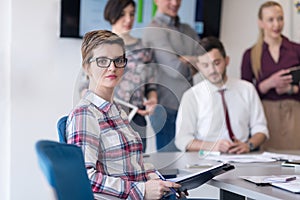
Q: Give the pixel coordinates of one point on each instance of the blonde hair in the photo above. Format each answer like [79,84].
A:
[256,50]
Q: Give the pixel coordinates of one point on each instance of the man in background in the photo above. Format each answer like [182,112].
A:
[220,113]
[175,47]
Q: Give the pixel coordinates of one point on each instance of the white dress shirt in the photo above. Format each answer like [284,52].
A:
[201,114]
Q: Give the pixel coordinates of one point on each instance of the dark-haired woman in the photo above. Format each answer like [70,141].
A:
[136,86]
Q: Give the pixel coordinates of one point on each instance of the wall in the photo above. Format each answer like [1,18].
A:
[43,70]
[5,38]
[37,74]
[239,28]
[295,16]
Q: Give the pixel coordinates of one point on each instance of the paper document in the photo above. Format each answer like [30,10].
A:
[292,186]
[264,180]
[254,158]
[132,107]
[281,157]
[244,158]
[287,182]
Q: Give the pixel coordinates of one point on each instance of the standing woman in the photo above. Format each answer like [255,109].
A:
[112,149]
[137,82]
[136,86]
[267,64]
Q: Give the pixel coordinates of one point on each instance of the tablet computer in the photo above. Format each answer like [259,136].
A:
[199,178]
[295,72]
[127,106]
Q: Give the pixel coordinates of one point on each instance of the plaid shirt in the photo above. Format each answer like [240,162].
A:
[112,149]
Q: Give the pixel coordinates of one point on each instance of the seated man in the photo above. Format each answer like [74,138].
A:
[220,113]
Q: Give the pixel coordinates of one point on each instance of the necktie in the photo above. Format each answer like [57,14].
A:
[231,135]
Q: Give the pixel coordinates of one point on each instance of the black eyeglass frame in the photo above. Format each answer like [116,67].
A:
[110,60]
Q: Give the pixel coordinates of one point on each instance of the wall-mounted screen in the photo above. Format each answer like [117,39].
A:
[81,16]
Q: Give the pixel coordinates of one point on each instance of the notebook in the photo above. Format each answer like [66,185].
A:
[199,178]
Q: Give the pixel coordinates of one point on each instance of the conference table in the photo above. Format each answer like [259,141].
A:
[231,186]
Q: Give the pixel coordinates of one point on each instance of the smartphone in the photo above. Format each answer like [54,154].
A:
[292,163]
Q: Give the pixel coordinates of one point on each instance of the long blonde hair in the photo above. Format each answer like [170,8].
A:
[256,50]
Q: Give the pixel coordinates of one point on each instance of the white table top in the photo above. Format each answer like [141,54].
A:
[230,181]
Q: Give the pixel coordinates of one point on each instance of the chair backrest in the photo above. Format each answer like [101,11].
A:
[61,129]
[63,166]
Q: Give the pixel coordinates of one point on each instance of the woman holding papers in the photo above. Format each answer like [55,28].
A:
[112,149]
[136,86]
[267,64]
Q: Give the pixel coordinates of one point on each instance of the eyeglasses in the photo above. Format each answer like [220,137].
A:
[105,62]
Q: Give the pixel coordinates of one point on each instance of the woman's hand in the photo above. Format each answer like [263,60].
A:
[290,89]
[283,90]
[277,80]
[155,189]
[150,106]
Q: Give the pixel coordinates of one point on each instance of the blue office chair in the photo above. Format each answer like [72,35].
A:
[63,166]
[61,129]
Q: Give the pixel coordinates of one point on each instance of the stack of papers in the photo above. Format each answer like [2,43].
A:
[252,158]
[280,157]
[265,180]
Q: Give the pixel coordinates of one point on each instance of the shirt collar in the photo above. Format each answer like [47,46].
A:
[284,44]
[172,21]
[99,102]
[214,88]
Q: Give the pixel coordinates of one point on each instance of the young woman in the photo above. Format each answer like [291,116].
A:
[267,64]
[112,149]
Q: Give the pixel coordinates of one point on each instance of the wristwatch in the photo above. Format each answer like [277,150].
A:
[251,146]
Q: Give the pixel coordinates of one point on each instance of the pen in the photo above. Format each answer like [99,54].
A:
[290,178]
[279,179]
[163,178]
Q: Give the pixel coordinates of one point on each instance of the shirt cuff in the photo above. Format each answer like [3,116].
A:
[141,187]
[152,176]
